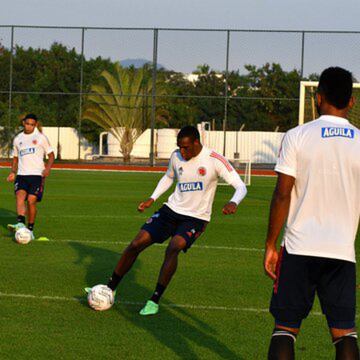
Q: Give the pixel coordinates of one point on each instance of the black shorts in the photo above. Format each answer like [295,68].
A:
[165,223]
[32,184]
[300,277]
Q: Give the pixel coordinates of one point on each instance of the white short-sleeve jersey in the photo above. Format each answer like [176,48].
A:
[324,158]
[31,149]
[197,180]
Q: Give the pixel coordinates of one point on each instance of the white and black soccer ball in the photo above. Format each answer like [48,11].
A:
[23,236]
[100,298]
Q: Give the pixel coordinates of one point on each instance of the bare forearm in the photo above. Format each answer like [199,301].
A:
[50,161]
[278,213]
[14,165]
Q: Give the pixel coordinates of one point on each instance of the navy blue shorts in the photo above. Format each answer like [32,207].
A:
[32,184]
[300,277]
[165,223]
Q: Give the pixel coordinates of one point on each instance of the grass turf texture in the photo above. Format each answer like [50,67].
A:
[89,217]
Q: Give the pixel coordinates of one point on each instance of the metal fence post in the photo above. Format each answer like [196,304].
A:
[153,96]
[302,54]
[81,89]
[226,89]
[10,85]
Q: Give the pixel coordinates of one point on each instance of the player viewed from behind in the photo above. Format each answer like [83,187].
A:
[318,191]
[186,213]
[28,171]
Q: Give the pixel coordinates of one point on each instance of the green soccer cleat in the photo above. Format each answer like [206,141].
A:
[15,227]
[150,308]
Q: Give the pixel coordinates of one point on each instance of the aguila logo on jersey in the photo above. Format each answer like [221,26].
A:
[181,170]
[191,186]
[34,141]
[327,132]
[202,171]
[27,151]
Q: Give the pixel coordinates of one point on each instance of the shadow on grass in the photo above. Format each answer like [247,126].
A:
[174,327]
[7,217]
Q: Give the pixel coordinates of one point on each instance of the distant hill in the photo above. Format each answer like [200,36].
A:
[137,63]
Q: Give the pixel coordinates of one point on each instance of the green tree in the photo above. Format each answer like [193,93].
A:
[120,104]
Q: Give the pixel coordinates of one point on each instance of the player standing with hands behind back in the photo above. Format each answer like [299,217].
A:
[28,171]
[318,191]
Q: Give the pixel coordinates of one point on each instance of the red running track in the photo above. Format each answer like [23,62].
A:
[108,167]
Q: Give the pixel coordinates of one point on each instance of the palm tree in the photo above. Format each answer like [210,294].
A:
[120,104]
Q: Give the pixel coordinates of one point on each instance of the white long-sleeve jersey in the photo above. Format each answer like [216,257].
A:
[197,180]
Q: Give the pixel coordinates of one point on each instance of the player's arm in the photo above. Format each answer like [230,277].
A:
[15,162]
[240,193]
[279,210]
[49,164]
[163,185]
[14,166]
[286,167]
[225,170]
[49,151]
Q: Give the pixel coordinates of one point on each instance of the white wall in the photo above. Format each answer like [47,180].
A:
[257,146]
[69,142]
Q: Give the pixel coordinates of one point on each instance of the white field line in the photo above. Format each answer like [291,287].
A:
[208,247]
[135,303]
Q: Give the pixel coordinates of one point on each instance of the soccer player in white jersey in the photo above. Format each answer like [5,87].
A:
[318,191]
[28,171]
[186,213]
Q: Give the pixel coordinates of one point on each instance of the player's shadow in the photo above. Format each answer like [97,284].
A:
[7,216]
[174,327]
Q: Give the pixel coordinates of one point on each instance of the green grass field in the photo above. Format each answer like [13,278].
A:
[215,307]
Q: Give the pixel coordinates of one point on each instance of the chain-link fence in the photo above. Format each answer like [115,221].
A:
[230,79]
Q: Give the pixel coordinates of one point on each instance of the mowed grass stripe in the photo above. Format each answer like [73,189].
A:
[209,247]
[138,303]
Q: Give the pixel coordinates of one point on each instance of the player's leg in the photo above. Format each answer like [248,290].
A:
[168,269]
[188,230]
[346,343]
[156,229]
[20,197]
[169,266]
[141,241]
[337,294]
[32,210]
[292,299]
[282,342]
[35,194]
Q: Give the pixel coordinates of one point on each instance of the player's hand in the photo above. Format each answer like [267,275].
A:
[229,208]
[270,260]
[11,177]
[46,172]
[145,204]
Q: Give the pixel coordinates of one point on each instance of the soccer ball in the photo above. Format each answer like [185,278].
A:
[100,298]
[23,236]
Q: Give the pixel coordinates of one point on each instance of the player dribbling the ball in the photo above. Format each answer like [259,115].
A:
[28,171]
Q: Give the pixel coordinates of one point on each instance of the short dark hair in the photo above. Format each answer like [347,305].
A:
[189,131]
[336,85]
[30,116]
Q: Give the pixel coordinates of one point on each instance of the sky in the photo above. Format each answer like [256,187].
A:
[183,51]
